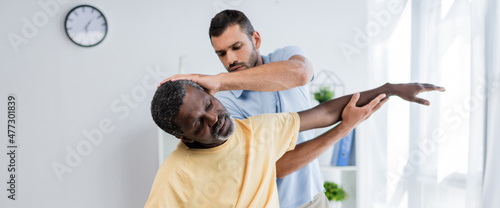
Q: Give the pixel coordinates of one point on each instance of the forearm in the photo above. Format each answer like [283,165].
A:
[307,151]
[332,106]
[274,76]
[330,112]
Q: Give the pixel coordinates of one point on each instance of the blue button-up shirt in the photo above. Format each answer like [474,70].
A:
[301,186]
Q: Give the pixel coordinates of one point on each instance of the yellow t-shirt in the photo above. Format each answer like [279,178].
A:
[239,173]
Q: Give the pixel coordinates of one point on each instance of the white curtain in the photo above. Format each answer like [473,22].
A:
[491,129]
[442,155]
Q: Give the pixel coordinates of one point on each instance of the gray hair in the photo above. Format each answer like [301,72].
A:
[166,103]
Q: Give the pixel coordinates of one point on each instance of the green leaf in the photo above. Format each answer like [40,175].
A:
[323,94]
[334,192]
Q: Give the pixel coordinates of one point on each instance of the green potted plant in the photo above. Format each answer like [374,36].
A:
[333,192]
[323,94]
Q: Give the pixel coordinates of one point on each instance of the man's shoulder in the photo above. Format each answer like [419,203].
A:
[225,94]
[177,156]
[290,48]
[271,118]
[285,53]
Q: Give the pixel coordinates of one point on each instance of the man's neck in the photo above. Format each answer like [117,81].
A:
[259,60]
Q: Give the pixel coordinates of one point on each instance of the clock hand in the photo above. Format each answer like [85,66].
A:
[87,26]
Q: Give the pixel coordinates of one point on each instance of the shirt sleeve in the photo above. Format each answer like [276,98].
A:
[278,131]
[286,53]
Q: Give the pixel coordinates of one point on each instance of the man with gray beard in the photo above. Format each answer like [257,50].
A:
[221,162]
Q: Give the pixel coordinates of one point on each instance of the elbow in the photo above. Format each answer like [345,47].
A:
[303,76]
[304,79]
[281,173]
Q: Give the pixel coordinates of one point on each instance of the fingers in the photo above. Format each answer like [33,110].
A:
[422,101]
[175,78]
[377,107]
[431,87]
[375,101]
[382,102]
[182,76]
[354,99]
[428,87]
[166,80]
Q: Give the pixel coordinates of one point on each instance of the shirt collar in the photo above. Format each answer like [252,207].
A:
[237,93]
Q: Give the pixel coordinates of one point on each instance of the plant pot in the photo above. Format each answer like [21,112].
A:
[335,204]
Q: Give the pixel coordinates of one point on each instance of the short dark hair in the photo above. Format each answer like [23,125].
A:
[166,103]
[228,18]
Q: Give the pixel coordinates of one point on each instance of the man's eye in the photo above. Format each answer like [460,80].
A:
[236,47]
[210,105]
[221,54]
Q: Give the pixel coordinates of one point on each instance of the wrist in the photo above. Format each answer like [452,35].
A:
[344,128]
[390,89]
[220,79]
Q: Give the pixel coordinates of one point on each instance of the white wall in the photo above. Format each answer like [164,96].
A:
[64,89]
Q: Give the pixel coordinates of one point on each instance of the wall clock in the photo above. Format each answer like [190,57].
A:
[86,26]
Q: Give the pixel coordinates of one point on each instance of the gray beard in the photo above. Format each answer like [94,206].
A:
[230,130]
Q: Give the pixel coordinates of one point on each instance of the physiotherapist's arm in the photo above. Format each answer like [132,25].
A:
[274,76]
[307,151]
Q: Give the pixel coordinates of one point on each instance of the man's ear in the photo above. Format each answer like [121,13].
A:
[185,139]
[256,39]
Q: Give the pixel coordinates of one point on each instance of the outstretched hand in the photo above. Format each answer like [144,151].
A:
[410,91]
[210,83]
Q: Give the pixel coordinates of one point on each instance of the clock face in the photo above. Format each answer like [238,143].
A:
[86,26]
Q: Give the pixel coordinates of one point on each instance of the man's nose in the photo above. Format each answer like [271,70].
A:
[231,58]
[211,118]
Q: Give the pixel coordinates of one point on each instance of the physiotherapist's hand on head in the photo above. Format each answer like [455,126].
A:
[210,83]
